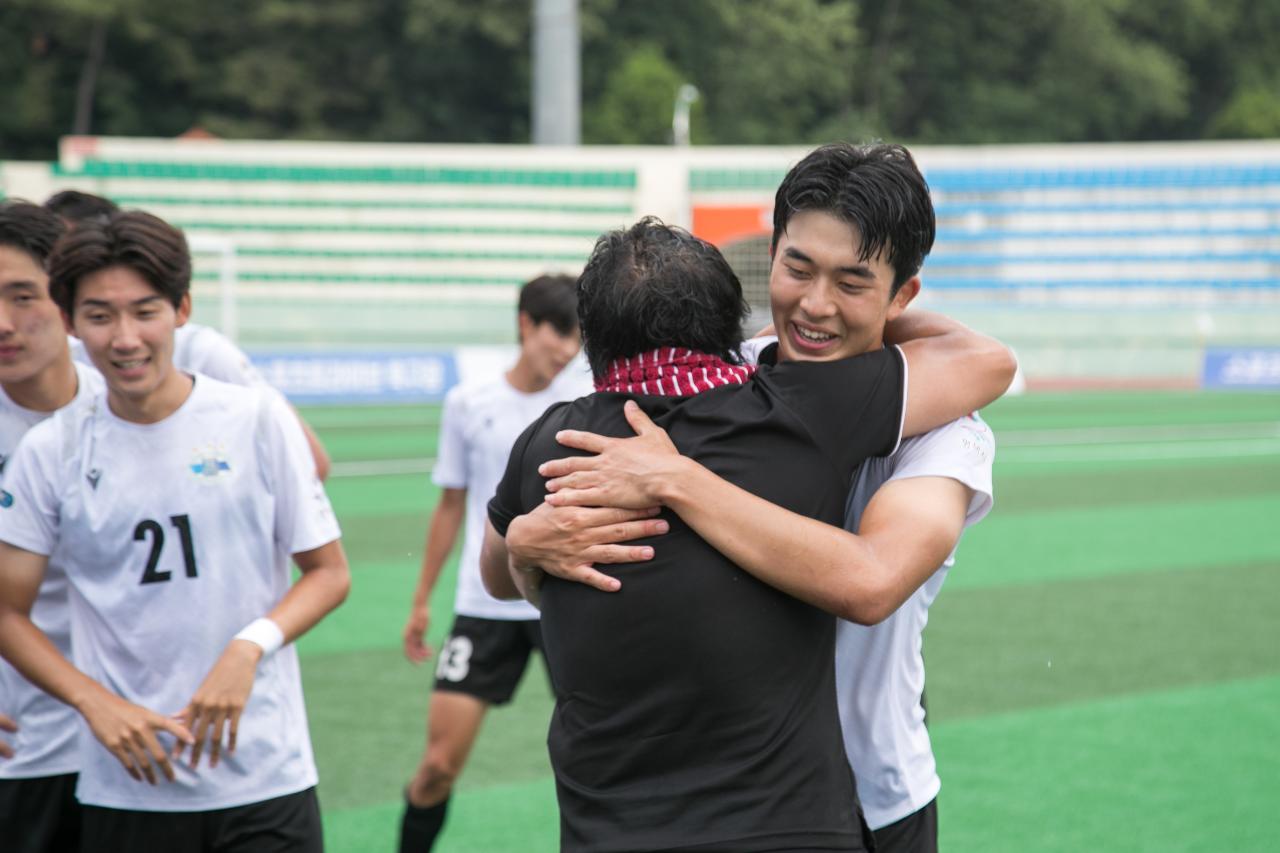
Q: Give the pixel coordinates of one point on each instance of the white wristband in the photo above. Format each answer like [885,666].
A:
[264,633]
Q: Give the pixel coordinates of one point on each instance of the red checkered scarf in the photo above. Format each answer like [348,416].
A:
[671,372]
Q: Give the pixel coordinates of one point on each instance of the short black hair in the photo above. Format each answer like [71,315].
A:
[31,229]
[876,188]
[653,285]
[146,244]
[551,299]
[76,206]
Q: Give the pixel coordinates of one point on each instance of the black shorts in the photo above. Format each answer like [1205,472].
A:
[288,824]
[486,658]
[39,815]
[915,833]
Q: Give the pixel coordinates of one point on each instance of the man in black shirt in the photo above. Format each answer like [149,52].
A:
[696,709]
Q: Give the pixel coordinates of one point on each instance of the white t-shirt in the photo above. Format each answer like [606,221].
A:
[199,349]
[174,536]
[480,422]
[45,744]
[879,669]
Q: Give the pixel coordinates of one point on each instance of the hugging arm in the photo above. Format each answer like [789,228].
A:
[952,370]
[909,527]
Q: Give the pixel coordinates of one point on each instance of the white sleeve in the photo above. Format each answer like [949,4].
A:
[78,352]
[752,347]
[212,353]
[304,517]
[450,470]
[29,505]
[963,450]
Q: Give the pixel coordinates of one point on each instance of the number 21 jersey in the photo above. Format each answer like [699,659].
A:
[174,536]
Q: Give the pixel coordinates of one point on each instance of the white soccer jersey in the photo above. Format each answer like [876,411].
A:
[879,669]
[481,421]
[174,536]
[45,744]
[200,349]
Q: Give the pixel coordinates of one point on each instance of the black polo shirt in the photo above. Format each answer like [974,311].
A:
[697,705]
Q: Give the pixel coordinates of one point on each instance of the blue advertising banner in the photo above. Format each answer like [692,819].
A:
[363,377]
[1241,368]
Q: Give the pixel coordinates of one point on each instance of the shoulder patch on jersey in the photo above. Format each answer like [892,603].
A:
[976,438]
[208,462]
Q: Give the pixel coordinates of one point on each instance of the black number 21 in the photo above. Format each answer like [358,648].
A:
[156,532]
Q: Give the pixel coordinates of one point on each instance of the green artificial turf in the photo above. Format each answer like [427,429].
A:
[1103,661]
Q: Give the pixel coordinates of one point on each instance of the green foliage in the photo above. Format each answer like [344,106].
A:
[1250,114]
[769,71]
[636,105]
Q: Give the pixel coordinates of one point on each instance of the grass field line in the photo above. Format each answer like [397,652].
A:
[382,467]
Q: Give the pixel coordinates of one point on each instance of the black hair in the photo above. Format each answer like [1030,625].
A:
[877,189]
[654,285]
[76,207]
[31,229]
[146,244]
[551,299]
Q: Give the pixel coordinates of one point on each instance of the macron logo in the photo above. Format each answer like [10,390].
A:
[93,477]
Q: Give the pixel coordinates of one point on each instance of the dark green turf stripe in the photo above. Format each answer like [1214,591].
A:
[385,443]
[1194,480]
[387,537]
[1039,547]
[1179,772]
[1002,649]
[1114,408]
[375,611]
[519,817]
[368,719]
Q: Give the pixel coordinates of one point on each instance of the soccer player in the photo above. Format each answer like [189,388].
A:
[196,348]
[910,508]
[174,503]
[38,809]
[485,654]
[697,710]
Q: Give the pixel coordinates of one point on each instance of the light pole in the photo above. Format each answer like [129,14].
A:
[685,98]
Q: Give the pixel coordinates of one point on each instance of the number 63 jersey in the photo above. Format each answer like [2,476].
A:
[174,536]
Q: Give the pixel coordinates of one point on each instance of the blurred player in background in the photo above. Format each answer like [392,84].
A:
[839,259]
[196,348]
[488,647]
[38,808]
[174,502]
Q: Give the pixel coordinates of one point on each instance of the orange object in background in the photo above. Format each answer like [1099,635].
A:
[724,224]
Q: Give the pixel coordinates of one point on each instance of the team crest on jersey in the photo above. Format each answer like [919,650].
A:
[209,463]
[6,499]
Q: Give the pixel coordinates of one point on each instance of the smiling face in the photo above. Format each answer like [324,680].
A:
[127,329]
[32,334]
[827,301]
[544,350]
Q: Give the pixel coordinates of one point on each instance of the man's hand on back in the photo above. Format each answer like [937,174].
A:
[628,473]
[567,542]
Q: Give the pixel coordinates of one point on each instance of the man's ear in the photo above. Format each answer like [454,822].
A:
[66,322]
[525,325]
[909,290]
[184,310]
